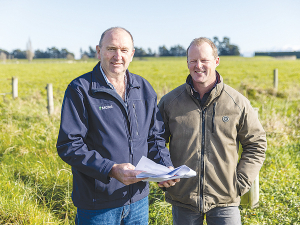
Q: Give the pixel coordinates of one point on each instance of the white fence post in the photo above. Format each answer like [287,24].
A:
[14,87]
[50,99]
[251,198]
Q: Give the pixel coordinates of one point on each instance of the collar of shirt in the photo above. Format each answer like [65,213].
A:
[205,96]
[112,86]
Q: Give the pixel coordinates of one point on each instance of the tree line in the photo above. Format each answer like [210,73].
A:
[49,53]
[224,48]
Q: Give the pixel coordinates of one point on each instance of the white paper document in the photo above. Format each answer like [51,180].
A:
[157,173]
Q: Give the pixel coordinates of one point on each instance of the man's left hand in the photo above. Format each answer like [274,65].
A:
[168,183]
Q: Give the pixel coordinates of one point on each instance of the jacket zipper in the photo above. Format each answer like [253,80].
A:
[130,187]
[137,124]
[213,117]
[131,161]
[130,140]
[202,161]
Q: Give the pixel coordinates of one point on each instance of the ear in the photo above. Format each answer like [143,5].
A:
[98,52]
[217,61]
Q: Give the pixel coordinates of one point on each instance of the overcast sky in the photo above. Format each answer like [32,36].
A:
[256,25]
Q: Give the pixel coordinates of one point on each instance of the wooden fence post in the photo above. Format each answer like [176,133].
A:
[275,81]
[50,99]
[251,198]
[14,87]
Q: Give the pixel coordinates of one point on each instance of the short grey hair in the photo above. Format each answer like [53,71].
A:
[114,28]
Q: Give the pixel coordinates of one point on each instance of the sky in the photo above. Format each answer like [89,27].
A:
[256,25]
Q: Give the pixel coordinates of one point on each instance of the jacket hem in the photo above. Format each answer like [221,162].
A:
[196,209]
[109,204]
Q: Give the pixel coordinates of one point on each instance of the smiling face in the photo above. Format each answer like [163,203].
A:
[116,52]
[202,64]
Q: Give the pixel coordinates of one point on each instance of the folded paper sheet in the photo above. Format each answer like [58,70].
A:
[157,173]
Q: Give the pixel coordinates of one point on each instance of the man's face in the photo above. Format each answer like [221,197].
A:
[202,64]
[116,52]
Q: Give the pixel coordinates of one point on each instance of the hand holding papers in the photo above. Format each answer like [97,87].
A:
[157,173]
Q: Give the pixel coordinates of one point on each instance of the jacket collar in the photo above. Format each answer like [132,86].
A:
[99,83]
[215,92]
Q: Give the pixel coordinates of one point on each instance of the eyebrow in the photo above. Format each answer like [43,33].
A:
[114,47]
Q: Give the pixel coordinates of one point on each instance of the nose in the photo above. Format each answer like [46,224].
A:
[118,54]
[199,64]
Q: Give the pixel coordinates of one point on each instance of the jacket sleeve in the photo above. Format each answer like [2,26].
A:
[161,106]
[253,140]
[71,145]
[158,151]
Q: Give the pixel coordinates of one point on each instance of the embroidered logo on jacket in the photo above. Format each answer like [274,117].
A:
[225,119]
[105,107]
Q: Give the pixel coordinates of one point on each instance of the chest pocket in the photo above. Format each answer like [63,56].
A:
[140,118]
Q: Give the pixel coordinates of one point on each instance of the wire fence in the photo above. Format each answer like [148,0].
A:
[14,93]
[14,89]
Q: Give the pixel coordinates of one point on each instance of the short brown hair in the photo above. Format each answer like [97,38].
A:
[199,41]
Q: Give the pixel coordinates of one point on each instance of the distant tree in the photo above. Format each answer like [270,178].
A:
[53,53]
[29,51]
[92,53]
[63,53]
[225,48]
[216,41]
[150,53]
[234,50]
[163,51]
[139,52]
[177,50]
[41,54]
[81,52]
[18,54]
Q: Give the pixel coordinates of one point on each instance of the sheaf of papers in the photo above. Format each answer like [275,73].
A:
[157,173]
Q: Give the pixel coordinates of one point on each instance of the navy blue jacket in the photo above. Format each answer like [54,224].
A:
[97,130]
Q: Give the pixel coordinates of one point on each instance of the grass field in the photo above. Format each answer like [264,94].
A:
[35,184]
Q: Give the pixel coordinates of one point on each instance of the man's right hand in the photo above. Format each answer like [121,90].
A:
[125,173]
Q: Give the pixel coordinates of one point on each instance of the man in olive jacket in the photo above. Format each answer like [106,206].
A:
[205,121]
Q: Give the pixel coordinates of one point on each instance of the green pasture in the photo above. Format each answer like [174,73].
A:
[35,184]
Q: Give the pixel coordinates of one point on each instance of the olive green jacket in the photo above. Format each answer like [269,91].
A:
[206,139]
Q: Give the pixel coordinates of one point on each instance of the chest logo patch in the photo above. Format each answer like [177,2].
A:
[225,119]
[105,107]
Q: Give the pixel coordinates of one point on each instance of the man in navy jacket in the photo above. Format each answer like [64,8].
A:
[109,120]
